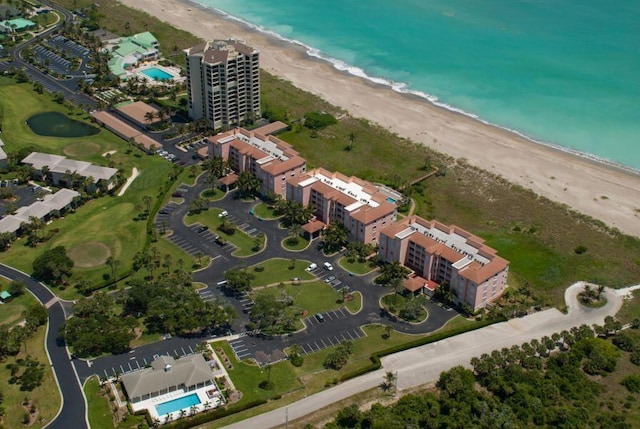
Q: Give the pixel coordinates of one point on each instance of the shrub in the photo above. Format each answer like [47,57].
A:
[318,120]
[580,249]
[624,342]
[632,383]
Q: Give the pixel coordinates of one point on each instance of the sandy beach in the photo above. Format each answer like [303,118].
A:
[595,189]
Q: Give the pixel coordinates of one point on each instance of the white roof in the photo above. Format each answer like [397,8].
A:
[39,159]
[10,223]
[60,164]
[352,189]
[98,172]
[61,199]
[37,209]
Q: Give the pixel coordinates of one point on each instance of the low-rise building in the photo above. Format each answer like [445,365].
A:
[61,170]
[126,131]
[129,51]
[438,253]
[272,160]
[359,205]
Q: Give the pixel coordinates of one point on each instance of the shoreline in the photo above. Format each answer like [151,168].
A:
[598,188]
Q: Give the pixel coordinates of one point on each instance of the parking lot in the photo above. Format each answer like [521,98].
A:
[68,46]
[207,235]
[313,346]
[52,60]
[136,362]
[25,195]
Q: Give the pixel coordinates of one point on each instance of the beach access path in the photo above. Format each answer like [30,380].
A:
[595,189]
[423,365]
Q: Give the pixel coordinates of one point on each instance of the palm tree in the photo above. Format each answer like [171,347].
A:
[146,199]
[248,184]
[149,117]
[113,264]
[352,139]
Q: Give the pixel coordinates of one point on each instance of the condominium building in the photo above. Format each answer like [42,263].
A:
[223,82]
[270,159]
[362,207]
[438,253]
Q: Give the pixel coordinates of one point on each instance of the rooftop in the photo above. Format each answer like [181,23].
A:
[137,111]
[62,165]
[167,372]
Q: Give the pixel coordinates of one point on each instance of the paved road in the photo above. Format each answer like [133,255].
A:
[73,408]
[424,364]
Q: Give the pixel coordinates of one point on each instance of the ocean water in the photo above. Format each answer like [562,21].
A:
[562,72]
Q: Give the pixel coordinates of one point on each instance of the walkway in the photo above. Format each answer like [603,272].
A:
[134,174]
[424,364]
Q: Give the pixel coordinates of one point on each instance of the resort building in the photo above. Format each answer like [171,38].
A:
[125,131]
[16,25]
[438,253]
[61,170]
[171,385]
[52,205]
[127,52]
[362,207]
[272,160]
[140,113]
[223,83]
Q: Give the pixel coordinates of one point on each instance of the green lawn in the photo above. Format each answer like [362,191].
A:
[395,303]
[630,309]
[265,211]
[46,397]
[100,416]
[215,195]
[11,312]
[247,377]
[354,305]
[211,219]
[315,297]
[109,220]
[280,270]
[357,268]
[295,245]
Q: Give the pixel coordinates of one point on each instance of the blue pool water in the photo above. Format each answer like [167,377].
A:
[177,404]
[157,74]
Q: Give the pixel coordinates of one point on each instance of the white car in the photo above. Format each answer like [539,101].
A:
[328,266]
[224,213]
[312,267]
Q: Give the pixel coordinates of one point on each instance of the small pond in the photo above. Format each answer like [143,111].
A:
[55,124]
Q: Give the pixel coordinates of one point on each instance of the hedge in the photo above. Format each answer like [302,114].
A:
[201,418]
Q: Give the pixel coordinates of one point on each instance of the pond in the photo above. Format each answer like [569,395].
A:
[55,124]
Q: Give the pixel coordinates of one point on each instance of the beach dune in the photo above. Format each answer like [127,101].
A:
[602,191]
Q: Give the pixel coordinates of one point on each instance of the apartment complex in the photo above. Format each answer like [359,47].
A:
[438,253]
[223,82]
[270,159]
[362,207]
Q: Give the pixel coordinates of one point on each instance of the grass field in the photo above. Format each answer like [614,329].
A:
[264,211]
[300,244]
[315,297]
[109,220]
[46,397]
[279,270]
[100,416]
[354,305]
[358,268]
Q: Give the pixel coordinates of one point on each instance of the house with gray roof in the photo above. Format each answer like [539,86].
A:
[167,374]
[61,201]
[60,168]
[11,224]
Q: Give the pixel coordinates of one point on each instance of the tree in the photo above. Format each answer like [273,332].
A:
[53,266]
[113,264]
[146,199]
[391,272]
[238,280]
[352,139]
[248,184]
[16,288]
[334,237]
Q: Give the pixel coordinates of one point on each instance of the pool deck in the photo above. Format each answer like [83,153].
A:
[150,404]
[173,71]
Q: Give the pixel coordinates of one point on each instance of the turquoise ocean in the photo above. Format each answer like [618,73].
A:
[562,72]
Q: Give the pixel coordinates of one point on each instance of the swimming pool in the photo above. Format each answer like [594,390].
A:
[156,73]
[177,404]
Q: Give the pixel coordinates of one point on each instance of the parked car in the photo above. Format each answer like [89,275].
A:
[319,317]
[329,279]
[203,228]
[224,213]
[328,266]
[312,267]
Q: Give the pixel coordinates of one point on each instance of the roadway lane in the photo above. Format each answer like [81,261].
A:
[73,411]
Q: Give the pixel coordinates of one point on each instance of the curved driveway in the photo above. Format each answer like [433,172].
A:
[72,413]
